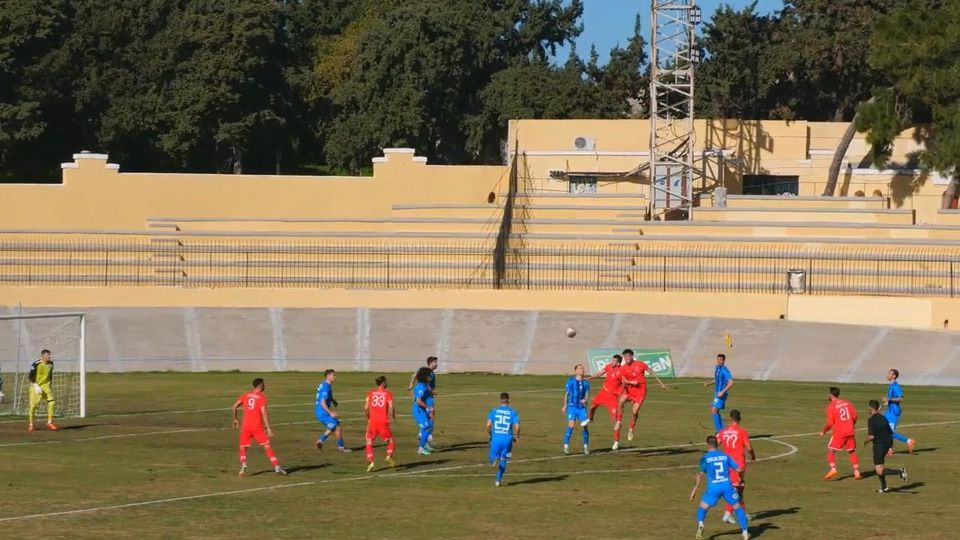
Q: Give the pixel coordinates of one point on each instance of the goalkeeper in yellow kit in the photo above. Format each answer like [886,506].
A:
[41,382]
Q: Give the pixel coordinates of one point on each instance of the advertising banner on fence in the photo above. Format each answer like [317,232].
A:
[658,359]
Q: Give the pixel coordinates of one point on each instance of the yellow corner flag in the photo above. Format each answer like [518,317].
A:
[728,340]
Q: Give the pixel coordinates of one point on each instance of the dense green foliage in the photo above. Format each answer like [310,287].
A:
[301,85]
[917,47]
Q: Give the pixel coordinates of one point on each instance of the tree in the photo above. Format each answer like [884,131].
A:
[30,32]
[916,47]
[733,81]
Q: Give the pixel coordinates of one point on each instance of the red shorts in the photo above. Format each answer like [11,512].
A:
[637,394]
[842,442]
[608,400]
[379,429]
[737,478]
[255,433]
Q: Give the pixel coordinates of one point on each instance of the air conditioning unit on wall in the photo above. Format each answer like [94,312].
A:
[585,143]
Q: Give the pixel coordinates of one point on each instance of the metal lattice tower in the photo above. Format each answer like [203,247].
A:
[671,104]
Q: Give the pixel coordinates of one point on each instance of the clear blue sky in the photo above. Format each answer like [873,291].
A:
[609,22]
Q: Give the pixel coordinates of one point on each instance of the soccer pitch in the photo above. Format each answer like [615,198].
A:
[157,458]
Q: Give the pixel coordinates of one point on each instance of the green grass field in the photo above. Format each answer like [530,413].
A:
[157,458]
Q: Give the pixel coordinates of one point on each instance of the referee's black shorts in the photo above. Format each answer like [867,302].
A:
[880,453]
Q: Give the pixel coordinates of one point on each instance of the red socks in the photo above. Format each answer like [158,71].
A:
[243,455]
[271,455]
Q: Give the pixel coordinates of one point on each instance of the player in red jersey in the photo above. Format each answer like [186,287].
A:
[735,442]
[842,418]
[379,409]
[634,376]
[609,396]
[256,425]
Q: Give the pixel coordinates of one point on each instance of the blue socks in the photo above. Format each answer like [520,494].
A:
[717,421]
[339,443]
[423,437]
[701,514]
[741,517]
[899,437]
[323,436]
[567,435]
[501,468]
[586,436]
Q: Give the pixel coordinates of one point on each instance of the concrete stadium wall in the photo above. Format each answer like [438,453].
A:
[511,342]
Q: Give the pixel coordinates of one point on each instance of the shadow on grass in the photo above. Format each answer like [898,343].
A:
[668,451]
[418,464]
[907,488]
[540,480]
[305,468]
[923,450]
[767,514]
[459,447]
[756,531]
[76,426]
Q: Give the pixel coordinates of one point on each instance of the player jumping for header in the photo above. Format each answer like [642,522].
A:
[503,428]
[256,425]
[41,389]
[894,404]
[609,397]
[323,410]
[722,382]
[634,375]
[842,418]
[379,409]
[575,407]
[715,466]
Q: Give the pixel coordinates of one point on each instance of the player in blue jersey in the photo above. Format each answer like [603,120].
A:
[722,381]
[575,407]
[893,403]
[423,410]
[323,409]
[503,427]
[432,364]
[715,466]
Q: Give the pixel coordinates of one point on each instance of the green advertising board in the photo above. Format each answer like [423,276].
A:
[658,359]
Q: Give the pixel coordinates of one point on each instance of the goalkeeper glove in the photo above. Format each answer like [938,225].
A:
[37,389]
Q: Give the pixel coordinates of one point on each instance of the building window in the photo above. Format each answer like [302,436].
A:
[583,184]
[770,184]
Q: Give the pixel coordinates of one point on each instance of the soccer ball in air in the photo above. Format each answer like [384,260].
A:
[571,332]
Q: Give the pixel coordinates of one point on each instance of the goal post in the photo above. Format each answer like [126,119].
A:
[22,338]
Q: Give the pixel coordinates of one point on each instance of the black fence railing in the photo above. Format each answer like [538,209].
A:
[183,260]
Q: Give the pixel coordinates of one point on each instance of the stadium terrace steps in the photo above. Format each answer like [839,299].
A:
[554,211]
[808,229]
[798,215]
[795,202]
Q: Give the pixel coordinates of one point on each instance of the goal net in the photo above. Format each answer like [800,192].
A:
[22,338]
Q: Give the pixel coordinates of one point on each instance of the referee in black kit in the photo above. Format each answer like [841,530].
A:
[878,431]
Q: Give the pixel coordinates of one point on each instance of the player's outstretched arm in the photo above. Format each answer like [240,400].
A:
[696,486]
[654,373]
[235,407]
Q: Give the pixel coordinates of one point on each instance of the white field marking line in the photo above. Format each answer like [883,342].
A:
[307,404]
[791,450]
[152,433]
[286,405]
[339,480]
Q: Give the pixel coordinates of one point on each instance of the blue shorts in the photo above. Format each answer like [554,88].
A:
[578,414]
[892,419]
[500,448]
[330,422]
[422,418]
[719,403]
[713,495]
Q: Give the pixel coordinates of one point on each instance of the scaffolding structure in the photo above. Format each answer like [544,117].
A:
[673,57]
